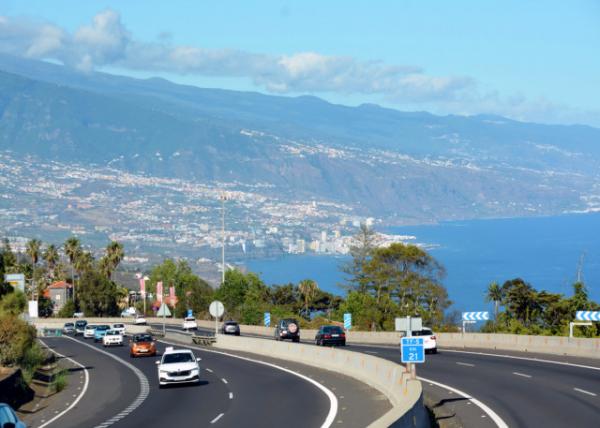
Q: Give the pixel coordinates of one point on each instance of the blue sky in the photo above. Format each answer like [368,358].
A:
[535,61]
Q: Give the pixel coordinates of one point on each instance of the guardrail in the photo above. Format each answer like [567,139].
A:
[555,345]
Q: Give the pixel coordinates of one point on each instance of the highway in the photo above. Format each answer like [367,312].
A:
[523,391]
[233,392]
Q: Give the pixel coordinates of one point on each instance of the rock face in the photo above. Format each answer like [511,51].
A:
[404,166]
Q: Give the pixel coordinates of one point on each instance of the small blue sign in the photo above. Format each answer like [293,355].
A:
[189,313]
[347,321]
[475,316]
[267,319]
[588,315]
[413,350]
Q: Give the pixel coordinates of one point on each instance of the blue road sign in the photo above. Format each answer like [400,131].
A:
[412,350]
[475,316]
[267,319]
[347,321]
[588,315]
[189,313]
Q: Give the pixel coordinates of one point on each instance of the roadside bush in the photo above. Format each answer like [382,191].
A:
[67,310]
[13,303]
[33,357]
[16,337]
[60,381]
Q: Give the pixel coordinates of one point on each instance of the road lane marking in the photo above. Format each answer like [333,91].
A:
[583,391]
[333,403]
[371,352]
[217,418]
[208,370]
[521,374]
[493,415]
[514,357]
[144,384]
[85,386]
[231,395]
[465,364]
[224,380]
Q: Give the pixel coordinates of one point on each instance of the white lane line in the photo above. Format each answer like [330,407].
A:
[521,374]
[217,418]
[85,386]
[371,352]
[144,384]
[465,364]
[231,395]
[224,380]
[493,415]
[333,403]
[514,357]
[208,370]
[583,391]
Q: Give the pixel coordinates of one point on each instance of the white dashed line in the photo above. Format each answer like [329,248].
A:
[224,380]
[583,391]
[231,395]
[208,370]
[465,364]
[521,374]
[217,418]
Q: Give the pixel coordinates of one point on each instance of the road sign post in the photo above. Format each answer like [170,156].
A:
[347,321]
[408,325]
[472,318]
[586,317]
[267,319]
[412,351]
[217,310]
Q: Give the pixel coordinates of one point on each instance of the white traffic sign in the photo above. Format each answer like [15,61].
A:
[163,311]
[216,309]
[401,324]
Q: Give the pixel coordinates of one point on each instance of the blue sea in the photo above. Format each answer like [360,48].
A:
[544,251]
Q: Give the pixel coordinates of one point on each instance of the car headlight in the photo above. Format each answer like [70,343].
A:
[196,370]
[163,372]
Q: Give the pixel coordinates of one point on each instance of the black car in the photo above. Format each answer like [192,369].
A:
[287,329]
[330,335]
[80,326]
[230,327]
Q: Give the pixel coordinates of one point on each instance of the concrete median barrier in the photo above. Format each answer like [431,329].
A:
[391,379]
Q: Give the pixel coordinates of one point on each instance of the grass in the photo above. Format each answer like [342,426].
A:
[60,381]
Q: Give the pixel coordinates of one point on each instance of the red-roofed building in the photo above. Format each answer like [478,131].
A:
[59,292]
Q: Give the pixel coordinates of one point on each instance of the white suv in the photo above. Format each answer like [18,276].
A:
[189,323]
[178,366]
[429,339]
[89,332]
[112,337]
[119,327]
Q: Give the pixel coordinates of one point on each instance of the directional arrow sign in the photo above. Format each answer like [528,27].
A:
[588,315]
[475,316]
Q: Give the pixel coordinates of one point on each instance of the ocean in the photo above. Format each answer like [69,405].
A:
[545,251]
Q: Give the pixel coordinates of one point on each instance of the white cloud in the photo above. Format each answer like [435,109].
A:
[106,42]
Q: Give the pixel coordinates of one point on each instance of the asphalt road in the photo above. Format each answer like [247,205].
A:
[523,391]
[233,392]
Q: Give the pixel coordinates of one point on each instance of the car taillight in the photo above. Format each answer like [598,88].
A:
[342,334]
[432,337]
[327,336]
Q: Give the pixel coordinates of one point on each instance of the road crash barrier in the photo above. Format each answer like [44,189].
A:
[203,340]
[405,395]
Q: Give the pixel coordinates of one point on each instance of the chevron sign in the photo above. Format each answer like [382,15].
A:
[588,316]
[475,316]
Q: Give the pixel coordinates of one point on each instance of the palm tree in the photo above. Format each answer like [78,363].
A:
[308,288]
[83,262]
[494,294]
[72,249]
[114,255]
[51,258]
[33,251]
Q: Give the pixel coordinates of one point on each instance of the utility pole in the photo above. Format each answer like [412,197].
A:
[223,198]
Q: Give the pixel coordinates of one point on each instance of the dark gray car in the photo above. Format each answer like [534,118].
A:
[287,328]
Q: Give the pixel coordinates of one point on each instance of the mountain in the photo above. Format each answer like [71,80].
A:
[403,167]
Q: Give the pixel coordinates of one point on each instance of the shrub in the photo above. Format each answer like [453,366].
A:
[67,310]
[13,303]
[60,381]
[16,337]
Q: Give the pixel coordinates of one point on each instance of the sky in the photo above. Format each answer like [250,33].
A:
[528,60]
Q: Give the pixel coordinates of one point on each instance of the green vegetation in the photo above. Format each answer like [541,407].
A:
[528,311]
[59,380]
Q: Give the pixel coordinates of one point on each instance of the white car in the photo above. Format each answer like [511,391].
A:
[89,332]
[112,337]
[178,366]
[139,320]
[119,327]
[189,323]
[429,339]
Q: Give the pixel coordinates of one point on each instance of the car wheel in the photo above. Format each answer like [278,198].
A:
[296,339]
[237,334]
[434,351]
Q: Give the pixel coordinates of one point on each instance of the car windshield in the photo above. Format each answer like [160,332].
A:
[231,323]
[142,338]
[332,329]
[288,322]
[91,327]
[178,357]
[424,332]
[80,323]
[190,319]
[68,324]
[102,327]
[112,333]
